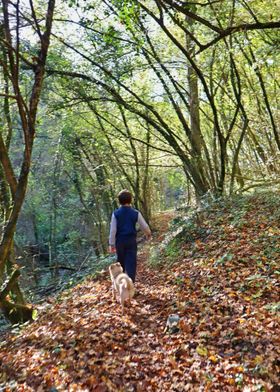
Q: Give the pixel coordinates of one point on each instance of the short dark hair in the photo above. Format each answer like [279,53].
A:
[125,197]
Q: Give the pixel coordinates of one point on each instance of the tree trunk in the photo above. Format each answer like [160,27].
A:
[27,111]
[14,312]
[146,191]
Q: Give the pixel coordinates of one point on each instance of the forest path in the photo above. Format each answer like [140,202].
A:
[82,342]
[228,337]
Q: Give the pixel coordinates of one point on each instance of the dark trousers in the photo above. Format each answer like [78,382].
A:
[126,255]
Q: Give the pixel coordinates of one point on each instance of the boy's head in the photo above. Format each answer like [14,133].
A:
[125,197]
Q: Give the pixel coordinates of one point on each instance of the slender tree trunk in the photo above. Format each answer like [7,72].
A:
[235,165]
[261,152]
[146,182]
[54,206]
[27,111]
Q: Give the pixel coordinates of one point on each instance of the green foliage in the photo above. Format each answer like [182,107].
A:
[222,260]
[129,11]
[155,258]
[73,3]
[273,307]
[34,314]
[182,230]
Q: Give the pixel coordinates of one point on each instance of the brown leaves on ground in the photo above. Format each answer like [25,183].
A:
[224,287]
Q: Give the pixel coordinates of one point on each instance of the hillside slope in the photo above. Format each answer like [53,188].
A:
[218,271]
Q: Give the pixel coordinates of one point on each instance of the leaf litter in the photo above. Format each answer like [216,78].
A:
[224,289]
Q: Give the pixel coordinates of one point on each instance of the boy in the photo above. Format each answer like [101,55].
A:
[122,237]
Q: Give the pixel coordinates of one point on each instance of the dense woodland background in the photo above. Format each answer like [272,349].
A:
[177,101]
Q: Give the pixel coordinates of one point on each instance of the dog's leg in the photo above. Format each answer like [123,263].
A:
[113,292]
[122,298]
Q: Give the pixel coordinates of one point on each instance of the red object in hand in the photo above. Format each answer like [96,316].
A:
[112,249]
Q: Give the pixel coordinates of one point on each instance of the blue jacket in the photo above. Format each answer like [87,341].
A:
[123,225]
[127,218]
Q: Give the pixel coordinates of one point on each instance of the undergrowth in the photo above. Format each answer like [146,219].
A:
[235,213]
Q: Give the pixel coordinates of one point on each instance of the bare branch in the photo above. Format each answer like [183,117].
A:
[239,29]
[35,19]
[8,96]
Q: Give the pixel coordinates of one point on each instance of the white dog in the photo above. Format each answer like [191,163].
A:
[121,283]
